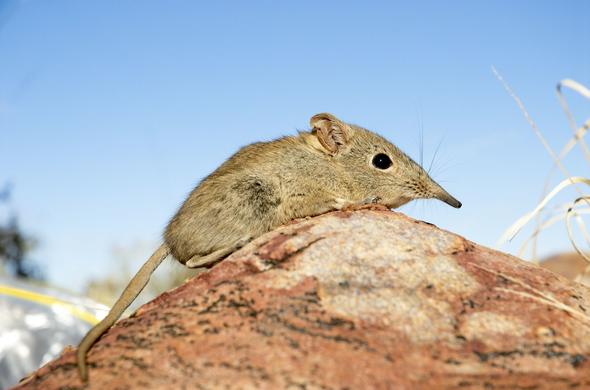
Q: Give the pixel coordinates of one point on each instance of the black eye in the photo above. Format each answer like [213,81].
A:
[382,161]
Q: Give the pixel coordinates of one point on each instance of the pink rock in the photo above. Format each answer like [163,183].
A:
[354,299]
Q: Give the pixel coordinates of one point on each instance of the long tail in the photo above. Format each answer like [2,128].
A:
[135,286]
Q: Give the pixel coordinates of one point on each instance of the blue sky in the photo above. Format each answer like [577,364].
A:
[111,111]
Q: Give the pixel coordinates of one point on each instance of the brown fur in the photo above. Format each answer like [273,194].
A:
[266,184]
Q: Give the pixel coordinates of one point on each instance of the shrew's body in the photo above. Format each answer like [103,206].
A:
[266,184]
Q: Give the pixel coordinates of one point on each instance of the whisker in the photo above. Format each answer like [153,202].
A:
[435,153]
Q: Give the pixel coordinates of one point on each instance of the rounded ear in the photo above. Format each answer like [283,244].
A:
[332,133]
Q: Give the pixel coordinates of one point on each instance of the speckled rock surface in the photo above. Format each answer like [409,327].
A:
[350,300]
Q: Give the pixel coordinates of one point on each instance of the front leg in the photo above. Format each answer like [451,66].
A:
[343,204]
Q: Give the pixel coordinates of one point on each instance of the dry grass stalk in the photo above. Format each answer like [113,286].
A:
[570,212]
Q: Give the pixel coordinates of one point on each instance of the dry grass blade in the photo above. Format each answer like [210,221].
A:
[531,122]
[519,224]
[575,86]
[582,226]
[546,224]
[571,213]
[536,295]
[583,91]
[554,303]
[578,138]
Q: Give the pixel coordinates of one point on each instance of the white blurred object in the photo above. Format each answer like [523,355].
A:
[36,323]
